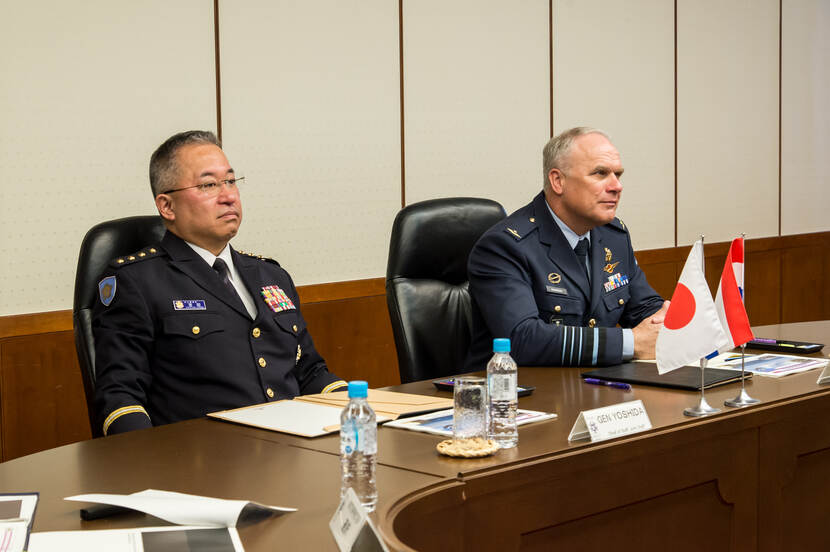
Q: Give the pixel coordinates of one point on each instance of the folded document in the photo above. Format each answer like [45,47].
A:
[315,415]
[185,509]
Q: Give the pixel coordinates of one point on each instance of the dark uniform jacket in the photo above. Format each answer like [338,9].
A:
[526,284]
[175,343]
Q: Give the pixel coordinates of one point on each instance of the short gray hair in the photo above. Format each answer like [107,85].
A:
[555,153]
[164,167]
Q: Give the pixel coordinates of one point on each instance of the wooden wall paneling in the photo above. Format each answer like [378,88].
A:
[762,286]
[714,266]
[803,284]
[825,254]
[38,323]
[355,337]
[662,277]
[43,404]
[2,387]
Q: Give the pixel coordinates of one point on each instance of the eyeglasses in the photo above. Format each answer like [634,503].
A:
[210,188]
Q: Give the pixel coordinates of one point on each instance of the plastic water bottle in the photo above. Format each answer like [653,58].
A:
[359,446]
[504,400]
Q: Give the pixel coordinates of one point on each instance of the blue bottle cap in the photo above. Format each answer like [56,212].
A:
[501,345]
[358,389]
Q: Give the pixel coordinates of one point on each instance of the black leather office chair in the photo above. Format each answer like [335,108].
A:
[102,244]
[426,282]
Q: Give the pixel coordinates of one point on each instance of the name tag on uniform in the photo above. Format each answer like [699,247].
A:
[189,304]
[557,290]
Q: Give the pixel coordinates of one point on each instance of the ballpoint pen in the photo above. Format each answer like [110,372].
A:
[615,384]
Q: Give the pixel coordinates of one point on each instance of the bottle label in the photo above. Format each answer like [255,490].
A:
[353,437]
[503,387]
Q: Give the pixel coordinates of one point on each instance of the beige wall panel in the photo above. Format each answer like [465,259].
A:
[613,68]
[311,117]
[476,98]
[805,116]
[727,119]
[87,91]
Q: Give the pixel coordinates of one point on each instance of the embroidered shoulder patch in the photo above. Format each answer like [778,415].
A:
[106,290]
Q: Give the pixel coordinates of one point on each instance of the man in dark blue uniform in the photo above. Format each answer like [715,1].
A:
[190,325]
[558,275]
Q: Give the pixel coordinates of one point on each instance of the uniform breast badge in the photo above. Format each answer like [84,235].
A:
[607,255]
[276,299]
[616,281]
[554,278]
[609,268]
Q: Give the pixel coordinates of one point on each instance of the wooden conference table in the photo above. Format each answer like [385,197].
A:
[746,479]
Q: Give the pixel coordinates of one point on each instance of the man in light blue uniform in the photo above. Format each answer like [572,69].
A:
[558,275]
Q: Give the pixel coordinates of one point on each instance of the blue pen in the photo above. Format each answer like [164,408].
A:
[615,384]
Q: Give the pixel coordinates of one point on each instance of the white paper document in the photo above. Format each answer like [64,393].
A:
[184,509]
[13,535]
[296,417]
[440,423]
[770,365]
[16,514]
[145,539]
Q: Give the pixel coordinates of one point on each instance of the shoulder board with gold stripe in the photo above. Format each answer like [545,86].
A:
[142,255]
[618,224]
[259,257]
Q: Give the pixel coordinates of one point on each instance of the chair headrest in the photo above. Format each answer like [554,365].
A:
[103,243]
[432,239]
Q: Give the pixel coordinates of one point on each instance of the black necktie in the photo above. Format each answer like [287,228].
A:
[222,269]
[581,251]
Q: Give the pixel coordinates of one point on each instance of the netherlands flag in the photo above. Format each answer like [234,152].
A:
[729,299]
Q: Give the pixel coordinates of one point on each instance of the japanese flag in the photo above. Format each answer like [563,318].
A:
[692,329]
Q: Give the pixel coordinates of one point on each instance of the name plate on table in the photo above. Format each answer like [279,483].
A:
[611,421]
[353,529]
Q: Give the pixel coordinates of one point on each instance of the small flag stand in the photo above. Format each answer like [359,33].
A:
[743,398]
[702,408]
